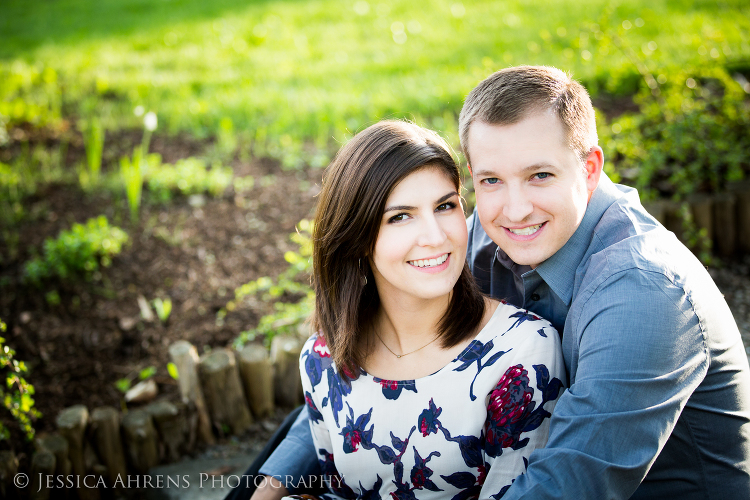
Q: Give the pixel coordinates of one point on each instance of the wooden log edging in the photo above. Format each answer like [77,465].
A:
[105,423]
[285,352]
[257,378]
[140,443]
[725,218]
[185,357]
[225,398]
[110,443]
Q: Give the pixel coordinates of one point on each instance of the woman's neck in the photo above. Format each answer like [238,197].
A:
[407,325]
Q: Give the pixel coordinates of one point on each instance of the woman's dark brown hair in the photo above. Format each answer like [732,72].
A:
[356,186]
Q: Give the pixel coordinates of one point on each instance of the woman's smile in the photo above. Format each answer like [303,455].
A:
[432,265]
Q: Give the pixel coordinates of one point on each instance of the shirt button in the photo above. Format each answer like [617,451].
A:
[535,296]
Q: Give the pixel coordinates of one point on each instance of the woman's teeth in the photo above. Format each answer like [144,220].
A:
[429,262]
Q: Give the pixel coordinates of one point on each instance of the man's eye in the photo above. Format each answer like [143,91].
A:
[543,175]
[491,180]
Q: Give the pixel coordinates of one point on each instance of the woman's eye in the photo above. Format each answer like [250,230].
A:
[398,218]
[445,206]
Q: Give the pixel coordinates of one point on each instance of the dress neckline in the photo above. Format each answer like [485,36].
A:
[479,337]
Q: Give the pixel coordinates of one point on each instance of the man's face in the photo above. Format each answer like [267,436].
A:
[531,188]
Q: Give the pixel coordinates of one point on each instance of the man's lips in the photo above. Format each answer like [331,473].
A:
[524,233]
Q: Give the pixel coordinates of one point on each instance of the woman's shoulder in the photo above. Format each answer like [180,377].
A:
[509,323]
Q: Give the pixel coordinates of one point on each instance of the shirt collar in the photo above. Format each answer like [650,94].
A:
[559,270]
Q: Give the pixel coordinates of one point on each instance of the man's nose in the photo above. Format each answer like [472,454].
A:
[517,206]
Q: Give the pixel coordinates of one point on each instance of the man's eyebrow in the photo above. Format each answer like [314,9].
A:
[407,207]
[530,168]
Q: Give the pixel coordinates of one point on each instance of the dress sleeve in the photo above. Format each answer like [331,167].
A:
[520,404]
[636,362]
[314,360]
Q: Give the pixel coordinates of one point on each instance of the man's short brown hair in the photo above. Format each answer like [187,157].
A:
[510,95]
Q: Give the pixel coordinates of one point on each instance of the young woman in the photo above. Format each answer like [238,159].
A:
[416,385]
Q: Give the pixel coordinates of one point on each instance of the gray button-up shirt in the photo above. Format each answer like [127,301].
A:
[659,398]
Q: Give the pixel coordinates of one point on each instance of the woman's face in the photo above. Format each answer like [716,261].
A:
[421,247]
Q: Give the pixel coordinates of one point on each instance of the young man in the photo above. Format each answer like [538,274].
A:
[659,397]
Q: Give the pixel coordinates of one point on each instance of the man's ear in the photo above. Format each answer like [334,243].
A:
[593,165]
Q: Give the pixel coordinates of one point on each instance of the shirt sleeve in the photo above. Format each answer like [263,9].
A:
[520,403]
[294,462]
[637,353]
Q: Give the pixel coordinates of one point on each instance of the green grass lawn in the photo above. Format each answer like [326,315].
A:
[292,72]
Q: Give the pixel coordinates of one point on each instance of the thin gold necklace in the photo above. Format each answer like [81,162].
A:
[406,354]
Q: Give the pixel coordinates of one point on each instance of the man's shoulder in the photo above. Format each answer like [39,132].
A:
[629,241]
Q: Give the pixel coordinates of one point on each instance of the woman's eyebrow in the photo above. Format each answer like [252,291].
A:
[407,207]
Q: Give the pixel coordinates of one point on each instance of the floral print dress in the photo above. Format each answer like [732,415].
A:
[464,432]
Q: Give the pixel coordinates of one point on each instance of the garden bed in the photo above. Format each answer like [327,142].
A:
[195,254]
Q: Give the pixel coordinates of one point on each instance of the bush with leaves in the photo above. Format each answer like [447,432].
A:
[287,316]
[16,392]
[187,176]
[79,251]
[690,135]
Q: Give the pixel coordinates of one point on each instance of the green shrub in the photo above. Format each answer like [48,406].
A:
[187,176]
[287,316]
[16,392]
[78,251]
[690,135]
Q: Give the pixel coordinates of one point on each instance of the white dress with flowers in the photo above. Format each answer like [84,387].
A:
[464,432]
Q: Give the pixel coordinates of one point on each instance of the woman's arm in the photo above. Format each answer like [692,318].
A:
[269,489]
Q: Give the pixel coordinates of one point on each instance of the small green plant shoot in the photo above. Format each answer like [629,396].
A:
[124,384]
[288,316]
[16,392]
[134,171]
[93,139]
[163,308]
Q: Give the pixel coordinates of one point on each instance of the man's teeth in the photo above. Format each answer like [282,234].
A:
[526,230]
[429,262]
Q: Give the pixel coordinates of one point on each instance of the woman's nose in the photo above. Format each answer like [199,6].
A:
[432,233]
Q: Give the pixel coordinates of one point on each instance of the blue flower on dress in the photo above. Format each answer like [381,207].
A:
[312,411]
[337,389]
[420,473]
[521,316]
[331,477]
[354,432]
[392,388]
[474,353]
[466,482]
[470,447]
[428,420]
[374,493]
[317,360]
